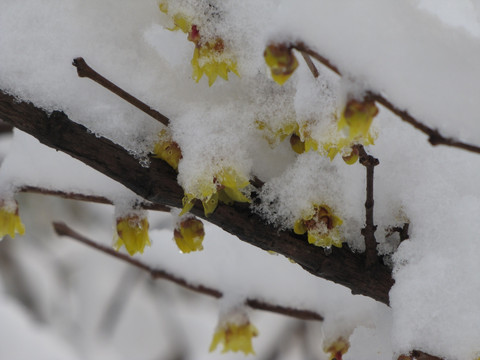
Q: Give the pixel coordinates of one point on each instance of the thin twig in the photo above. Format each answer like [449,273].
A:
[84,70]
[434,136]
[84,197]
[368,231]
[310,64]
[63,230]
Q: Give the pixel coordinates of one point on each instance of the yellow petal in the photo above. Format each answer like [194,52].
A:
[132,232]
[167,150]
[10,222]
[281,61]
[235,338]
[189,235]
[188,202]
[299,227]
[210,204]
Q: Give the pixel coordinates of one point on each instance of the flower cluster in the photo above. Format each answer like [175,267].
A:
[281,61]
[10,222]
[189,234]
[226,186]
[321,226]
[167,149]
[210,57]
[235,337]
[132,232]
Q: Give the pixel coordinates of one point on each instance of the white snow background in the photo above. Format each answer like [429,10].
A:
[422,55]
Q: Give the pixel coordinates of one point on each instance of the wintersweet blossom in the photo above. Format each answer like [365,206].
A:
[226,186]
[234,337]
[189,234]
[337,349]
[300,140]
[321,226]
[10,222]
[132,232]
[356,119]
[167,149]
[281,61]
[210,56]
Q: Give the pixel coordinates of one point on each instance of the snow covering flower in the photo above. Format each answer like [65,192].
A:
[234,337]
[189,234]
[210,57]
[10,222]
[353,128]
[337,349]
[167,149]
[321,225]
[300,139]
[281,61]
[132,232]
[226,186]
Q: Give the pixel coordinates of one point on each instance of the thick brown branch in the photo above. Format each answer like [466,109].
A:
[434,136]
[63,230]
[158,184]
[84,70]
[368,231]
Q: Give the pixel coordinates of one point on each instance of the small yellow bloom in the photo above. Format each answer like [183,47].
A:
[235,337]
[210,59]
[337,349]
[321,226]
[132,231]
[189,234]
[10,222]
[281,61]
[226,187]
[357,118]
[167,150]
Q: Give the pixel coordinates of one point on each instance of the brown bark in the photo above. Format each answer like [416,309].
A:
[157,184]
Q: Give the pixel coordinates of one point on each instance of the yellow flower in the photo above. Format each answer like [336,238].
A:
[10,222]
[357,118]
[337,349]
[321,226]
[189,234]
[132,232]
[226,187]
[235,337]
[281,61]
[209,57]
[167,150]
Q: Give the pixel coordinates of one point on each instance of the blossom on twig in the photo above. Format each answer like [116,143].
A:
[10,222]
[132,232]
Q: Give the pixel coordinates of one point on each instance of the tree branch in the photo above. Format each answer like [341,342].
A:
[84,197]
[158,184]
[63,230]
[369,230]
[434,136]
[84,70]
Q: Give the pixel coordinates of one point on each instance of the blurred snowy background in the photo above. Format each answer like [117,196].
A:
[62,300]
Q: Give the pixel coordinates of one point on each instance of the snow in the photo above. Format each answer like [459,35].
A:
[422,55]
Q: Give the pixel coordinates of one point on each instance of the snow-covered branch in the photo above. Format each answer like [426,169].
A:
[434,136]
[158,184]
